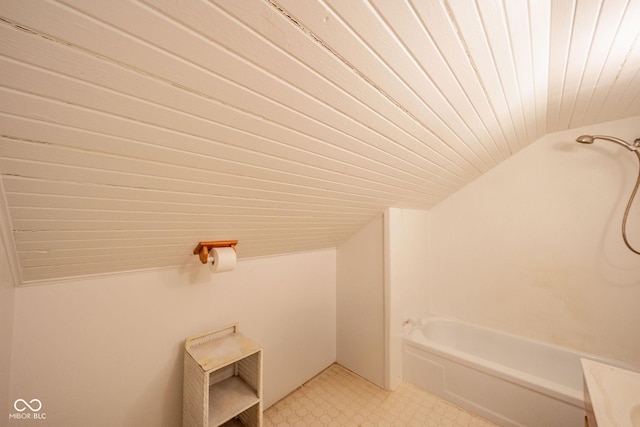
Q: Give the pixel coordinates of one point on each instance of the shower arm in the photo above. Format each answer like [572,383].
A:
[625,144]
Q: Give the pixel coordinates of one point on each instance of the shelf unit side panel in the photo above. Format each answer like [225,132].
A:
[249,369]
[196,392]
[252,416]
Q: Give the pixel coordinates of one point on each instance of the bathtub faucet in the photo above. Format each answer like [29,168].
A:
[411,323]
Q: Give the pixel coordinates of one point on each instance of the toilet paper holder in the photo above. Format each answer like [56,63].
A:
[203,248]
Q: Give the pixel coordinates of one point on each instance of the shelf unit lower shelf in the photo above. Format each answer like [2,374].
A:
[229,398]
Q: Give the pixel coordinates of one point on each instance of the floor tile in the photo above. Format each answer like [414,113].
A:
[338,397]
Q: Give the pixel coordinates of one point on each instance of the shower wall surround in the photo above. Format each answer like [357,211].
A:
[533,247]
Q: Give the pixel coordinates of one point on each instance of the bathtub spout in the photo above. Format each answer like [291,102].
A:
[409,324]
[412,322]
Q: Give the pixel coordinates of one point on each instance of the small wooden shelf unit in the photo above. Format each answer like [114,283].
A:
[222,380]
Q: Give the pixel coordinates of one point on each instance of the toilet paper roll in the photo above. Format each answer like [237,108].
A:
[223,259]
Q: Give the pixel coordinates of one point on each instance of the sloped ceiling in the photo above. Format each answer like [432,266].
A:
[131,130]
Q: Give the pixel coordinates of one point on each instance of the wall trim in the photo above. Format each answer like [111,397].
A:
[9,243]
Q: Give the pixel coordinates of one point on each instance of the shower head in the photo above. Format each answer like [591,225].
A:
[585,139]
[589,139]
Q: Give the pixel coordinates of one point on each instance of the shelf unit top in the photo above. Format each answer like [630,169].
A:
[222,351]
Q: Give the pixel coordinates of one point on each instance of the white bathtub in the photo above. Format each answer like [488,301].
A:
[509,380]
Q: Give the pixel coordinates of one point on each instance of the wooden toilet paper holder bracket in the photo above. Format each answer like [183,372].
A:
[204,248]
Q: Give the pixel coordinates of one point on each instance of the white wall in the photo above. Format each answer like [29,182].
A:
[6,335]
[533,247]
[108,351]
[360,303]
[406,275]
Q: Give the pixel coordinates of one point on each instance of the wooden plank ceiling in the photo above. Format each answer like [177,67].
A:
[131,130]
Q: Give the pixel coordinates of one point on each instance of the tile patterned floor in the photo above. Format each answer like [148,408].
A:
[338,397]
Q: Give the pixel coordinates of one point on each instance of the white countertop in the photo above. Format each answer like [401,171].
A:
[612,393]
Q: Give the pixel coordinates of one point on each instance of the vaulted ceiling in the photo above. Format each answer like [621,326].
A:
[131,130]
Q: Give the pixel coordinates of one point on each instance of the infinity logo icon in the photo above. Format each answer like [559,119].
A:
[37,405]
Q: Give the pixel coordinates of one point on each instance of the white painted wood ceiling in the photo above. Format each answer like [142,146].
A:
[131,130]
